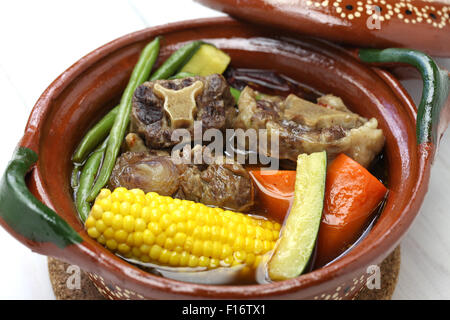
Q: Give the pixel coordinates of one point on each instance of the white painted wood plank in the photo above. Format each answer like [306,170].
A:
[170,11]
[40,39]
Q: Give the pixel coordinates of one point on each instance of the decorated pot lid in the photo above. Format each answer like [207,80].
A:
[415,24]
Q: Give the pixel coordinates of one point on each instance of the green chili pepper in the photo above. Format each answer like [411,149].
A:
[140,74]
[87,178]
[95,136]
[176,61]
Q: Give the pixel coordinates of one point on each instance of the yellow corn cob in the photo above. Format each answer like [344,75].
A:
[178,233]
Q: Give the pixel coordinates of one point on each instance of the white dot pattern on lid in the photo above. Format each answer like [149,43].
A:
[404,10]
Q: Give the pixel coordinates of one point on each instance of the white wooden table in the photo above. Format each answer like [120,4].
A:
[40,39]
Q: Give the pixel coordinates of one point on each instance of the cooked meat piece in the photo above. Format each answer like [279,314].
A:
[146,171]
[134,143]
[222,184]
[305,127]
[214,107]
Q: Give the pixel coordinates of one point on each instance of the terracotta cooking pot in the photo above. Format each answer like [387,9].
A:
[87,90]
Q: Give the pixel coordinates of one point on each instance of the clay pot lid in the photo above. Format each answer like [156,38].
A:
[421,24]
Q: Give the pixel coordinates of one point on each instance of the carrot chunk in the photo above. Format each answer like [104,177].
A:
[275,191]
[352,194]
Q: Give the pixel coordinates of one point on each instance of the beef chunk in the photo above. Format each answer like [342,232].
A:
[146,171]
[214,107]
[224,184]
[305,127]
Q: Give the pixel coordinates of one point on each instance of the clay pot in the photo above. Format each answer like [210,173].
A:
[88,89]
[367,23]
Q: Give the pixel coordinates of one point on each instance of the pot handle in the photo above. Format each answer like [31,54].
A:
[435,88]
[23,214]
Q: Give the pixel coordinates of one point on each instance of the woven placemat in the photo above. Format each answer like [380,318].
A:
[60,273]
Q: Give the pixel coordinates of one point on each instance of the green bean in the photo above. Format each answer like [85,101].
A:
[74,177]
[176,61]
[182,75]
[102,128]
[99,132]
[140,74]
[235,93]
[87,178]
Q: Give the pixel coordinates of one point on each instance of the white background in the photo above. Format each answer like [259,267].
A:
[40,39]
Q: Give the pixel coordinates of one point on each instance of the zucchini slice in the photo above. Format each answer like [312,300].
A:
[299,233]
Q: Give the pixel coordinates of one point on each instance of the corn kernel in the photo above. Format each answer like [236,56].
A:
[109,233]
[154,228]
[124,208]
[165,256]
[184,259]
[180,238]
[207,248]
[226,251]
[240,256]
[107,218]
[90,222]
[169,244]
[174,259]
[117,222]
[171,230]
[146,214]
[101,239]
[93,233]
[121,236]
[111,244]
[165,221]
[181,227]
[123,248]
[138,238]
[128,197]
[227,262]
[115,207]
[139,224]
[155,252]
[213,263]
[203,261]
[137,192]
[104,193]
[161,239]
[193,261]
[149,237]
[144,248]
[128,223]
[135,210]
[97,211]
[216,250]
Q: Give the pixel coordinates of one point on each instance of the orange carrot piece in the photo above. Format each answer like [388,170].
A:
[351,195]
[275,191]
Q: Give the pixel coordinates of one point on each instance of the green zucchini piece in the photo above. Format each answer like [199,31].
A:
[299,233]
[206,61]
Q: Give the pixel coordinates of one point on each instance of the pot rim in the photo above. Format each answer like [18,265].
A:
[353,261]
